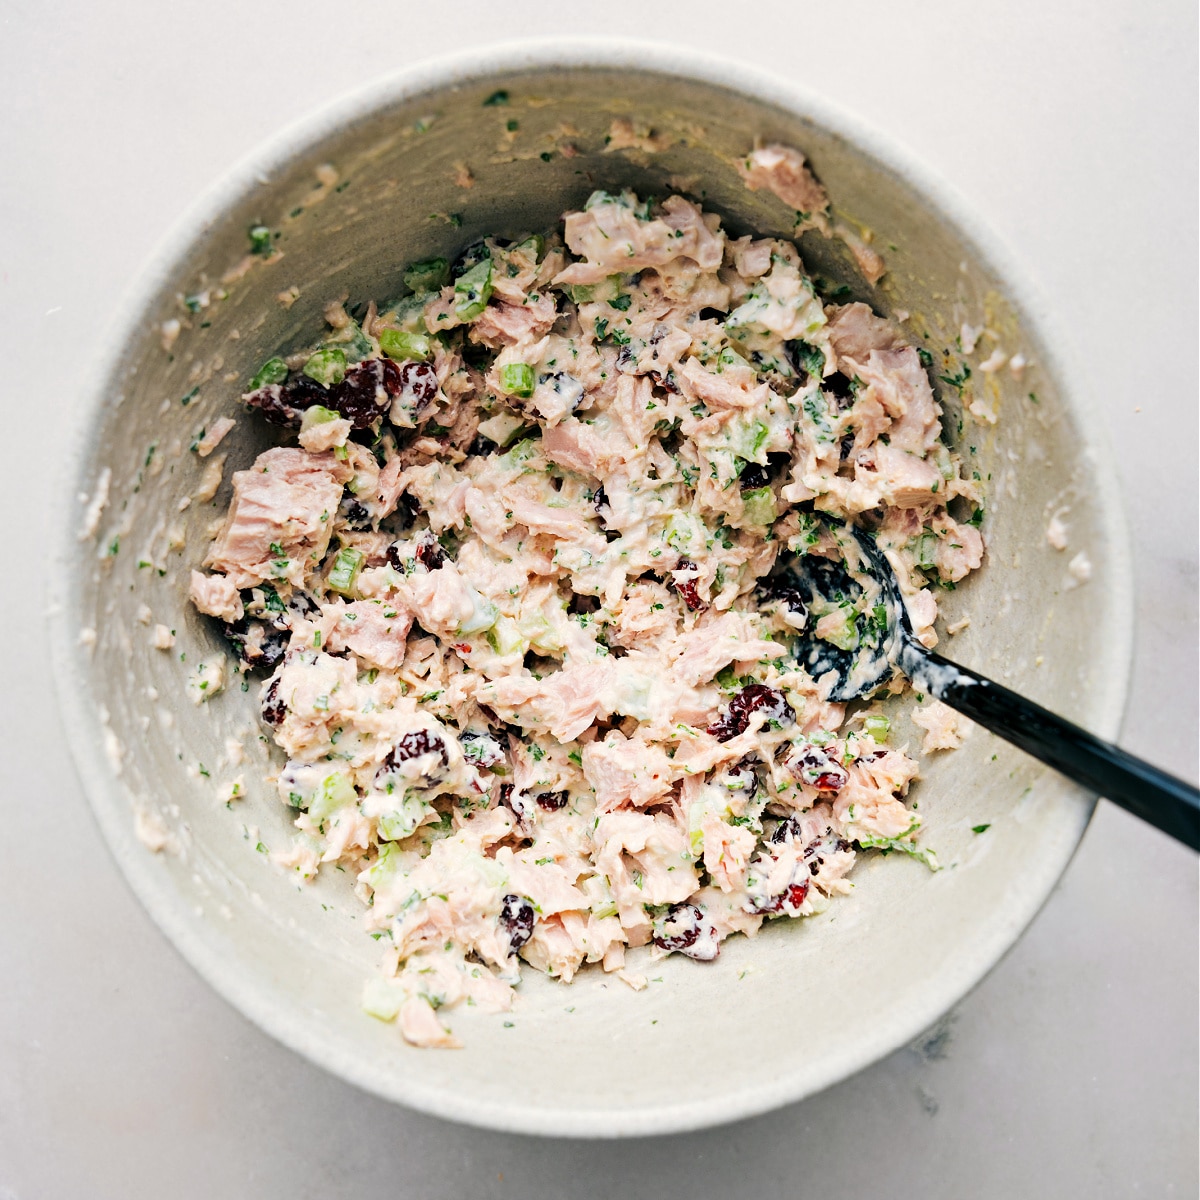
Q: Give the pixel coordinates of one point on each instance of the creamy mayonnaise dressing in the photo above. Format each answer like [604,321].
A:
[529,669]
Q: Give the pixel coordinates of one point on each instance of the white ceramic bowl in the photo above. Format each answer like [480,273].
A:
[776,1018]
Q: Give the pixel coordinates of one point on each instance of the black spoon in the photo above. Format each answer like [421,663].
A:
[877,639]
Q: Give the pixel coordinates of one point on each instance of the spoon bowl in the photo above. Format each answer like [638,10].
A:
[864,636]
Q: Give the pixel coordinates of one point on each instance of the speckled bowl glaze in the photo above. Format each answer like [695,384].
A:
[775,1018]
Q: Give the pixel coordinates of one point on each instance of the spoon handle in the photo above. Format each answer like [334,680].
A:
[1164,801]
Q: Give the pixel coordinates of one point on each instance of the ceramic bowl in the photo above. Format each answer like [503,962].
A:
[351,195]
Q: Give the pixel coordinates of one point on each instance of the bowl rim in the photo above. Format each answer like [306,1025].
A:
[175,917]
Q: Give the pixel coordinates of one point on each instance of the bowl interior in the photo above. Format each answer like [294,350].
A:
[351,200]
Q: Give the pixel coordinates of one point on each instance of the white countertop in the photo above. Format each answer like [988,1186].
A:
[1071,1071]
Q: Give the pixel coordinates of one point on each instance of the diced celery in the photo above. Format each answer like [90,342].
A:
[351,340]
[318,415]
[631,696]
[516,379]
[877,725]
[260,239]
[747,437]
[599,197]
[345,569]
[327,367]
[397,344]
[524,450]
[386,867]
[382,999]
[333,792]
[532,246]
[758,507]
[685,534]
[409,314]
[501,428]
[428,275]
[924,548]
[730,358]
[727,679]
[695,831]
[540,634]
[493,873]
[599,894]
[844,633]
[483,616]
[606,289]
[274,370]
[887,845]
[402,822]
[743,320]
[505,638]
[472,290]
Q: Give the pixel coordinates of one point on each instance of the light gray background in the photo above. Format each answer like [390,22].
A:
[1072,1071]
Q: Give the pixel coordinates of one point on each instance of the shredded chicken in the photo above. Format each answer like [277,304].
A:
[507,595]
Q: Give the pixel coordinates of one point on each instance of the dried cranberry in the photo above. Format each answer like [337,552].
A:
[754,697]
[742,779]
[356,514]
[792,897]
[665,380]
[811,765]
[364,395]
[273,707]
[684,929]
[552,801]
[786,831]
[689,589]
[273,647]
[235,634]
[414,745]
[516,919]
[753,476]
[788,594]
[394,559]
[679,929]
[272,401]
[600,499]
[429,552]
[304,604]
[419,744]
[285,404]
[259,646]
[418,387]
[407,509]
[517,803]
[480,748]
